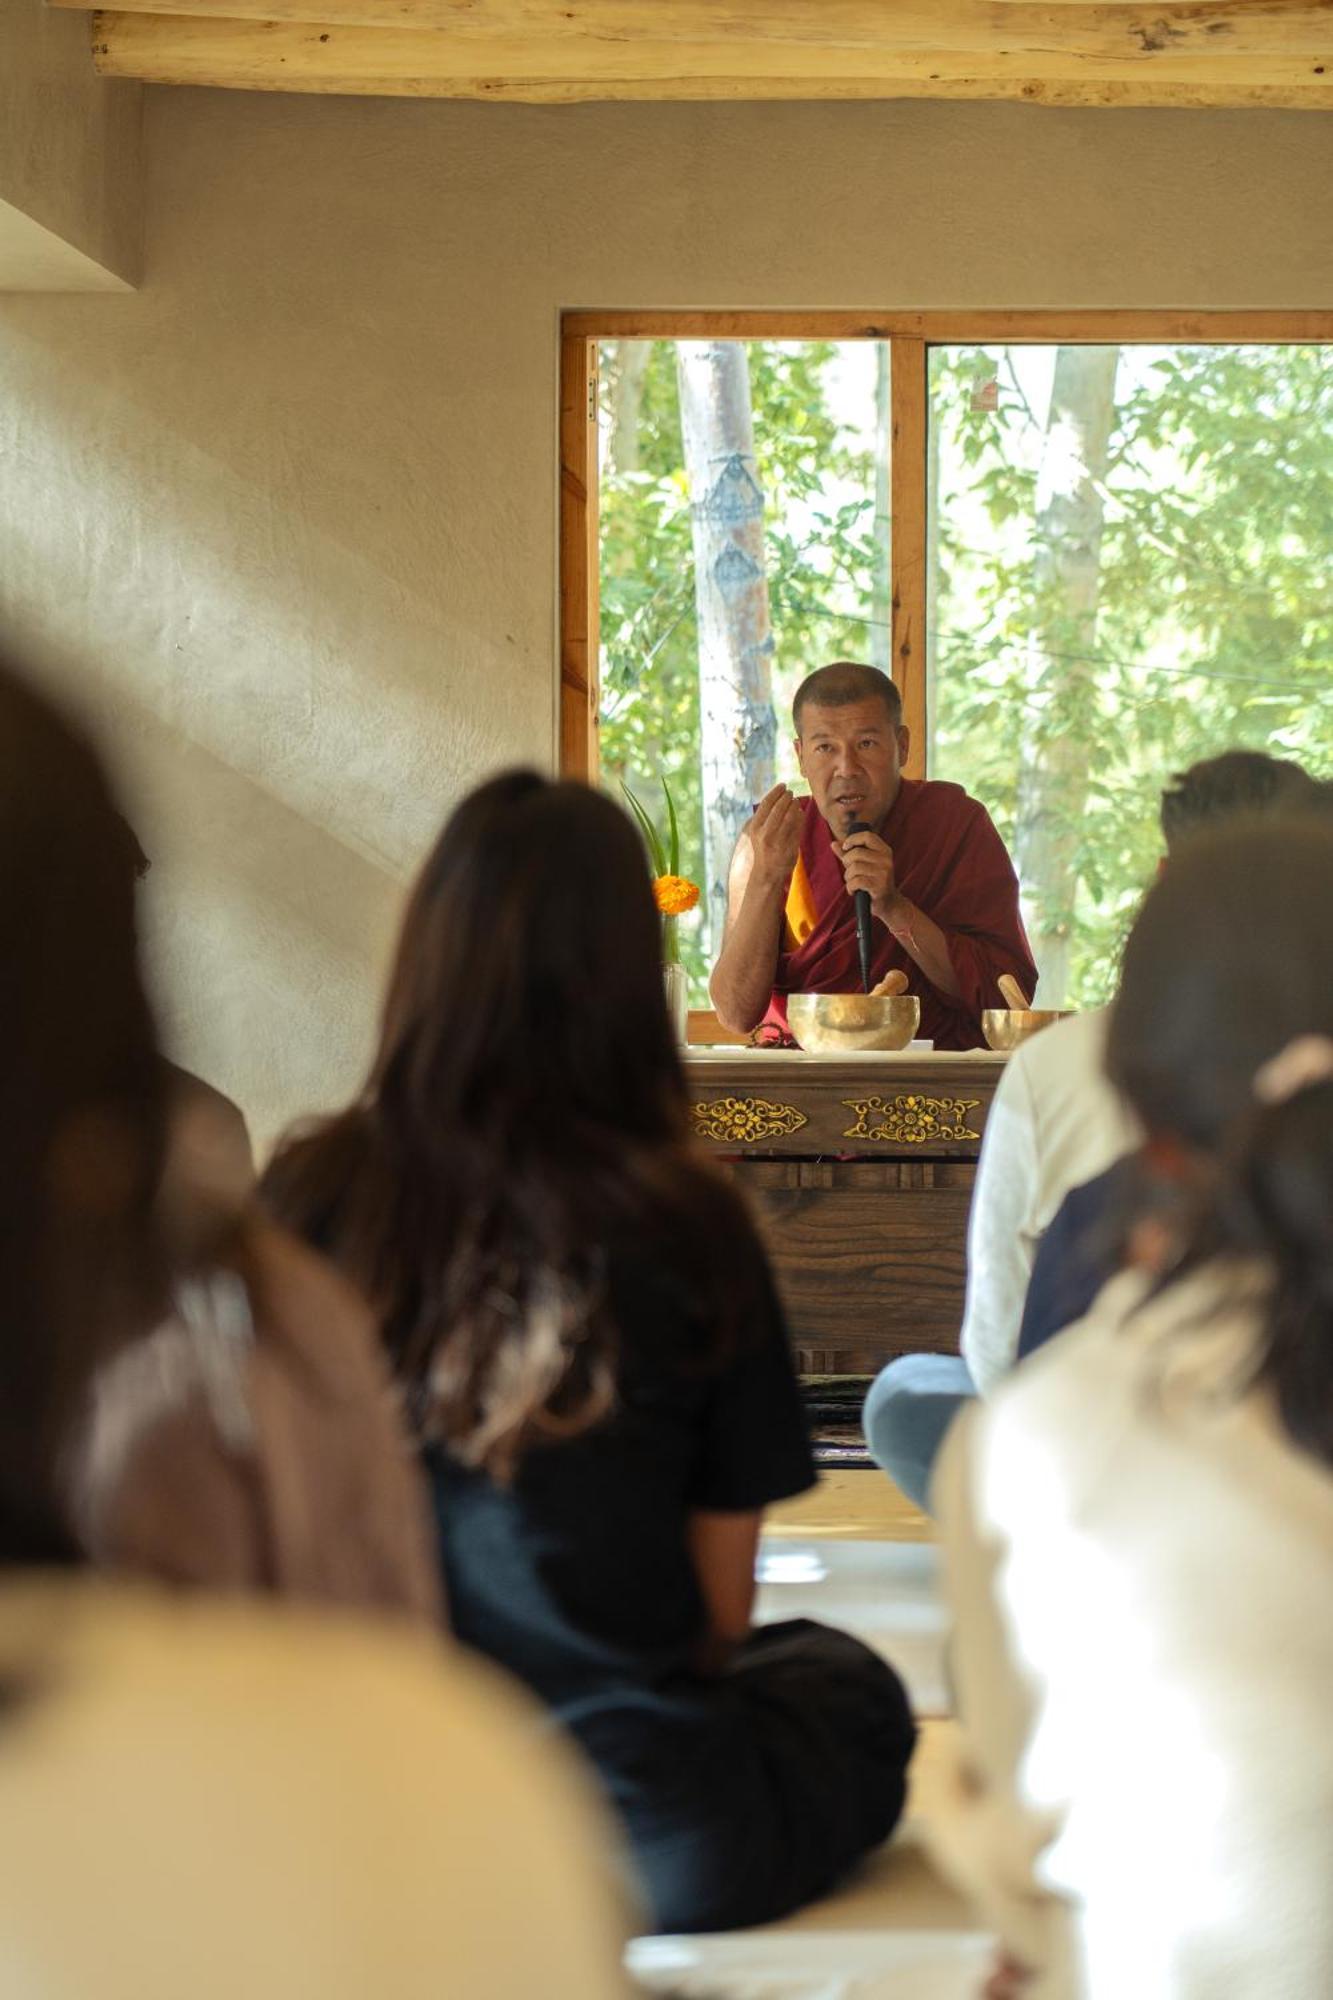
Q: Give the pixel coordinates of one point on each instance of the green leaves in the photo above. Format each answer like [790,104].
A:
[1213,622]
[673,843]
[665,859]
[1214,603]
[652,838]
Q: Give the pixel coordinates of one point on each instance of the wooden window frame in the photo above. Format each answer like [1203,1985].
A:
[910,336]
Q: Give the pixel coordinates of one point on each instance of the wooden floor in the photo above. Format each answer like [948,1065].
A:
[860,1505]
[936,1750]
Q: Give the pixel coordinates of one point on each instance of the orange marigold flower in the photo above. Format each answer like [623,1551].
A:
[675,895]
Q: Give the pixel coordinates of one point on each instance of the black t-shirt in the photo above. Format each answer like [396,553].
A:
[578,1575]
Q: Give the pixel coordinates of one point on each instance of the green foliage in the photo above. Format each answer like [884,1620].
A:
[1213,623]
[652,839]
[821,561]
[1214,620]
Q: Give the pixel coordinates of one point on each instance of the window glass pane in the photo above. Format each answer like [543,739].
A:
[744,541]
[1131,568]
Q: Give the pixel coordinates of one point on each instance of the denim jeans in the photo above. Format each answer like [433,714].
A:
[911,1405]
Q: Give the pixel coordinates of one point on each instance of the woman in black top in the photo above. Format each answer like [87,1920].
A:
[588,1338]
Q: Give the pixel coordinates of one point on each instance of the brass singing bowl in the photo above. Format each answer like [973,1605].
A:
[836,1024]
[1005,1027]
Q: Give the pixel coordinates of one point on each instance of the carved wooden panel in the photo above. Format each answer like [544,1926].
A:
[767,1103]
[869,1255]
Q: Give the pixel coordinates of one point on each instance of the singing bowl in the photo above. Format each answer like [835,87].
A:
[1005,1027]
[835,1024]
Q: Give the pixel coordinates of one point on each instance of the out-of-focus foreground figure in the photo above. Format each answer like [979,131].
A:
[1140,1526]
[197,1798]
[242,1430]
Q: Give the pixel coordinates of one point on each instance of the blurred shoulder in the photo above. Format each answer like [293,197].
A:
[229,1749]
[1072,1049]
[302,1302]
[209,1155]
[1045,1431]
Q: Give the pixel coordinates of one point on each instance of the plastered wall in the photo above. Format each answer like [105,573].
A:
[286,516]
[70,195]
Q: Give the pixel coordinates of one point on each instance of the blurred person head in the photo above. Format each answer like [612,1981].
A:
[850,742]
[209,1169]
[526,1108]
[81,1140]
[1221,1038]
[1239,781]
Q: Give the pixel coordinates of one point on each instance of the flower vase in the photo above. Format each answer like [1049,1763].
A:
[677,999]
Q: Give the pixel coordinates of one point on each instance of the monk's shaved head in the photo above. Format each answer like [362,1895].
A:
[843,682]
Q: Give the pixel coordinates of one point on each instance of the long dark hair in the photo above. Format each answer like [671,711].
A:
[81,1137]
[1230,962]
[524,1114]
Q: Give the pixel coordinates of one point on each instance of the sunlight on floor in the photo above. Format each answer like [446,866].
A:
[858,1504]
[855,1553]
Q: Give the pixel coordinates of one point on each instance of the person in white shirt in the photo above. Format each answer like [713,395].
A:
[1138,1527]
[1054,1124]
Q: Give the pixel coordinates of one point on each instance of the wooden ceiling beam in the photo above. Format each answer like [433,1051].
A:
[529,51]
[1125,29]
[1135,30]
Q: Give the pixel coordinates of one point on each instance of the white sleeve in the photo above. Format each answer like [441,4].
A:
[1001,1231]
[983,1831]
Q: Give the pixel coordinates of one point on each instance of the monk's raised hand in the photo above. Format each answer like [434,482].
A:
[774,834]
[867,863]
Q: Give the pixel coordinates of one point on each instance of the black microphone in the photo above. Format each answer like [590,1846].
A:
[861,904]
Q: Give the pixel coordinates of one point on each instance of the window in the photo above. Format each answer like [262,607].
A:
[1131,568]
[1114,537]
[743,537]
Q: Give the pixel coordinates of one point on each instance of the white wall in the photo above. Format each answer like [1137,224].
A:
[287,515]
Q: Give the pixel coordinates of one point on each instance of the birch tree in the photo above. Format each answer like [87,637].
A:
[737,728]
[1062,674]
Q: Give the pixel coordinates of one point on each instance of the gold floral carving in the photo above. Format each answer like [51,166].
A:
[911,1120]
[745,1119]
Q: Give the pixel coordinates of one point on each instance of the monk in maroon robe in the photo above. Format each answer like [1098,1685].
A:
[943,893]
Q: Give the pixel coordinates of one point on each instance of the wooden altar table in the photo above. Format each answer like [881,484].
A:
[860,1169]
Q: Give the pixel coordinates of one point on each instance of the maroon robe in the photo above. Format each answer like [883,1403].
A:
[948,861]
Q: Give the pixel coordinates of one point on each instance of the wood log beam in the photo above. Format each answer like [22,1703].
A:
[1182,52]
[1133,29]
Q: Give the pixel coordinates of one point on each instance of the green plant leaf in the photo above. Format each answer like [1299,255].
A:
[652,839]
[674,841]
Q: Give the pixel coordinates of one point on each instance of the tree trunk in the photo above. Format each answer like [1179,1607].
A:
[881,594]
[630,367]
[934,566]
[737,724]
[1062,678]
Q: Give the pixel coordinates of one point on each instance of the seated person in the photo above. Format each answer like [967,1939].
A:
[1054,1123]
[1082,1250]
[208,1141]
[943,893]
[587,1334]
[1139,1526]
[1086,1242]
[244,1434]
[201,1799]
